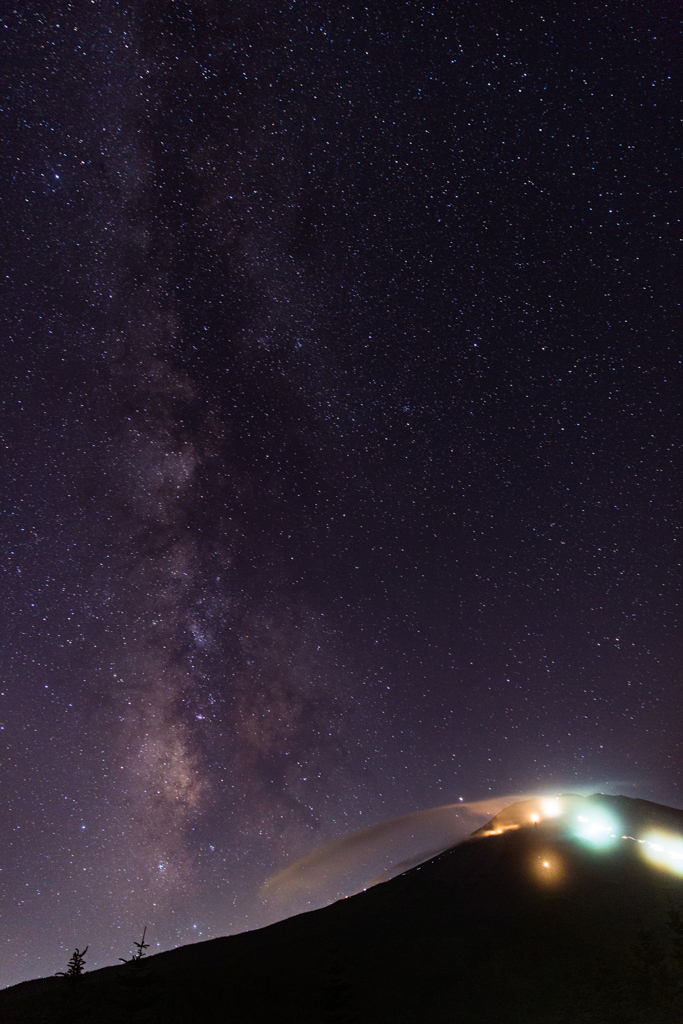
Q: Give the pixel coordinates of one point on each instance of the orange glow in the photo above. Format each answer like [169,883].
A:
[535,818]
[547,868]
[499,831]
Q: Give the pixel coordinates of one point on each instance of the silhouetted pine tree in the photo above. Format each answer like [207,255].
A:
[75,965]
[139,953]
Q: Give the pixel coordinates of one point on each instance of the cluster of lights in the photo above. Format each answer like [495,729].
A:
[601,830]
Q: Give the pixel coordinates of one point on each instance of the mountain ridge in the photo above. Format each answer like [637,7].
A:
[547,912]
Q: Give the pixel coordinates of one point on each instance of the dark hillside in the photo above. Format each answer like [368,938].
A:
[529,924]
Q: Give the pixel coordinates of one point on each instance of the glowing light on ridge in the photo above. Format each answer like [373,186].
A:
[597,827]
[552,807]
[663,850]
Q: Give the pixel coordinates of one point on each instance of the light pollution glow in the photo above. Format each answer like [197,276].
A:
[662,849]
[601,829]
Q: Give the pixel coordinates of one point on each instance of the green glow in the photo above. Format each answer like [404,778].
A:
[597,827]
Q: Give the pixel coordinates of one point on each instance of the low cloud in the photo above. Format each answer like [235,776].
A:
[347,865]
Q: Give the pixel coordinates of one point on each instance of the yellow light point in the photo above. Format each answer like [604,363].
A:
[547,869]
[535,818]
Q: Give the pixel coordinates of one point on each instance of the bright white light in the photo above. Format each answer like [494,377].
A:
[666,851]
[535,818]
[551,807]
[598,828]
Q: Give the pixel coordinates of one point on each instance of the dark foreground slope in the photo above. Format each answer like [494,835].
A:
[531,924]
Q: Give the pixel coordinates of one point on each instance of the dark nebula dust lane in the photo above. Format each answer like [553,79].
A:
[340,439]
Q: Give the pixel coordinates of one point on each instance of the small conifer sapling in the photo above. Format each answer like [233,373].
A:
[141,946]
[75,965]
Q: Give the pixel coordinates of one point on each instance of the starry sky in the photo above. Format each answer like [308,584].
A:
[339,422]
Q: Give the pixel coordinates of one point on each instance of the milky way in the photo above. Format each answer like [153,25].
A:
[339,422]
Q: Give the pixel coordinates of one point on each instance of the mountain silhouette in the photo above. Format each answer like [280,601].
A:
[556,911]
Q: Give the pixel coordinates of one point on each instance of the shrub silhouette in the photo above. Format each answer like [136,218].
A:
[75,965]
[139,952]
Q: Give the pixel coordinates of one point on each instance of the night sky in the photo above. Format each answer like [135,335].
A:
[340,398]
